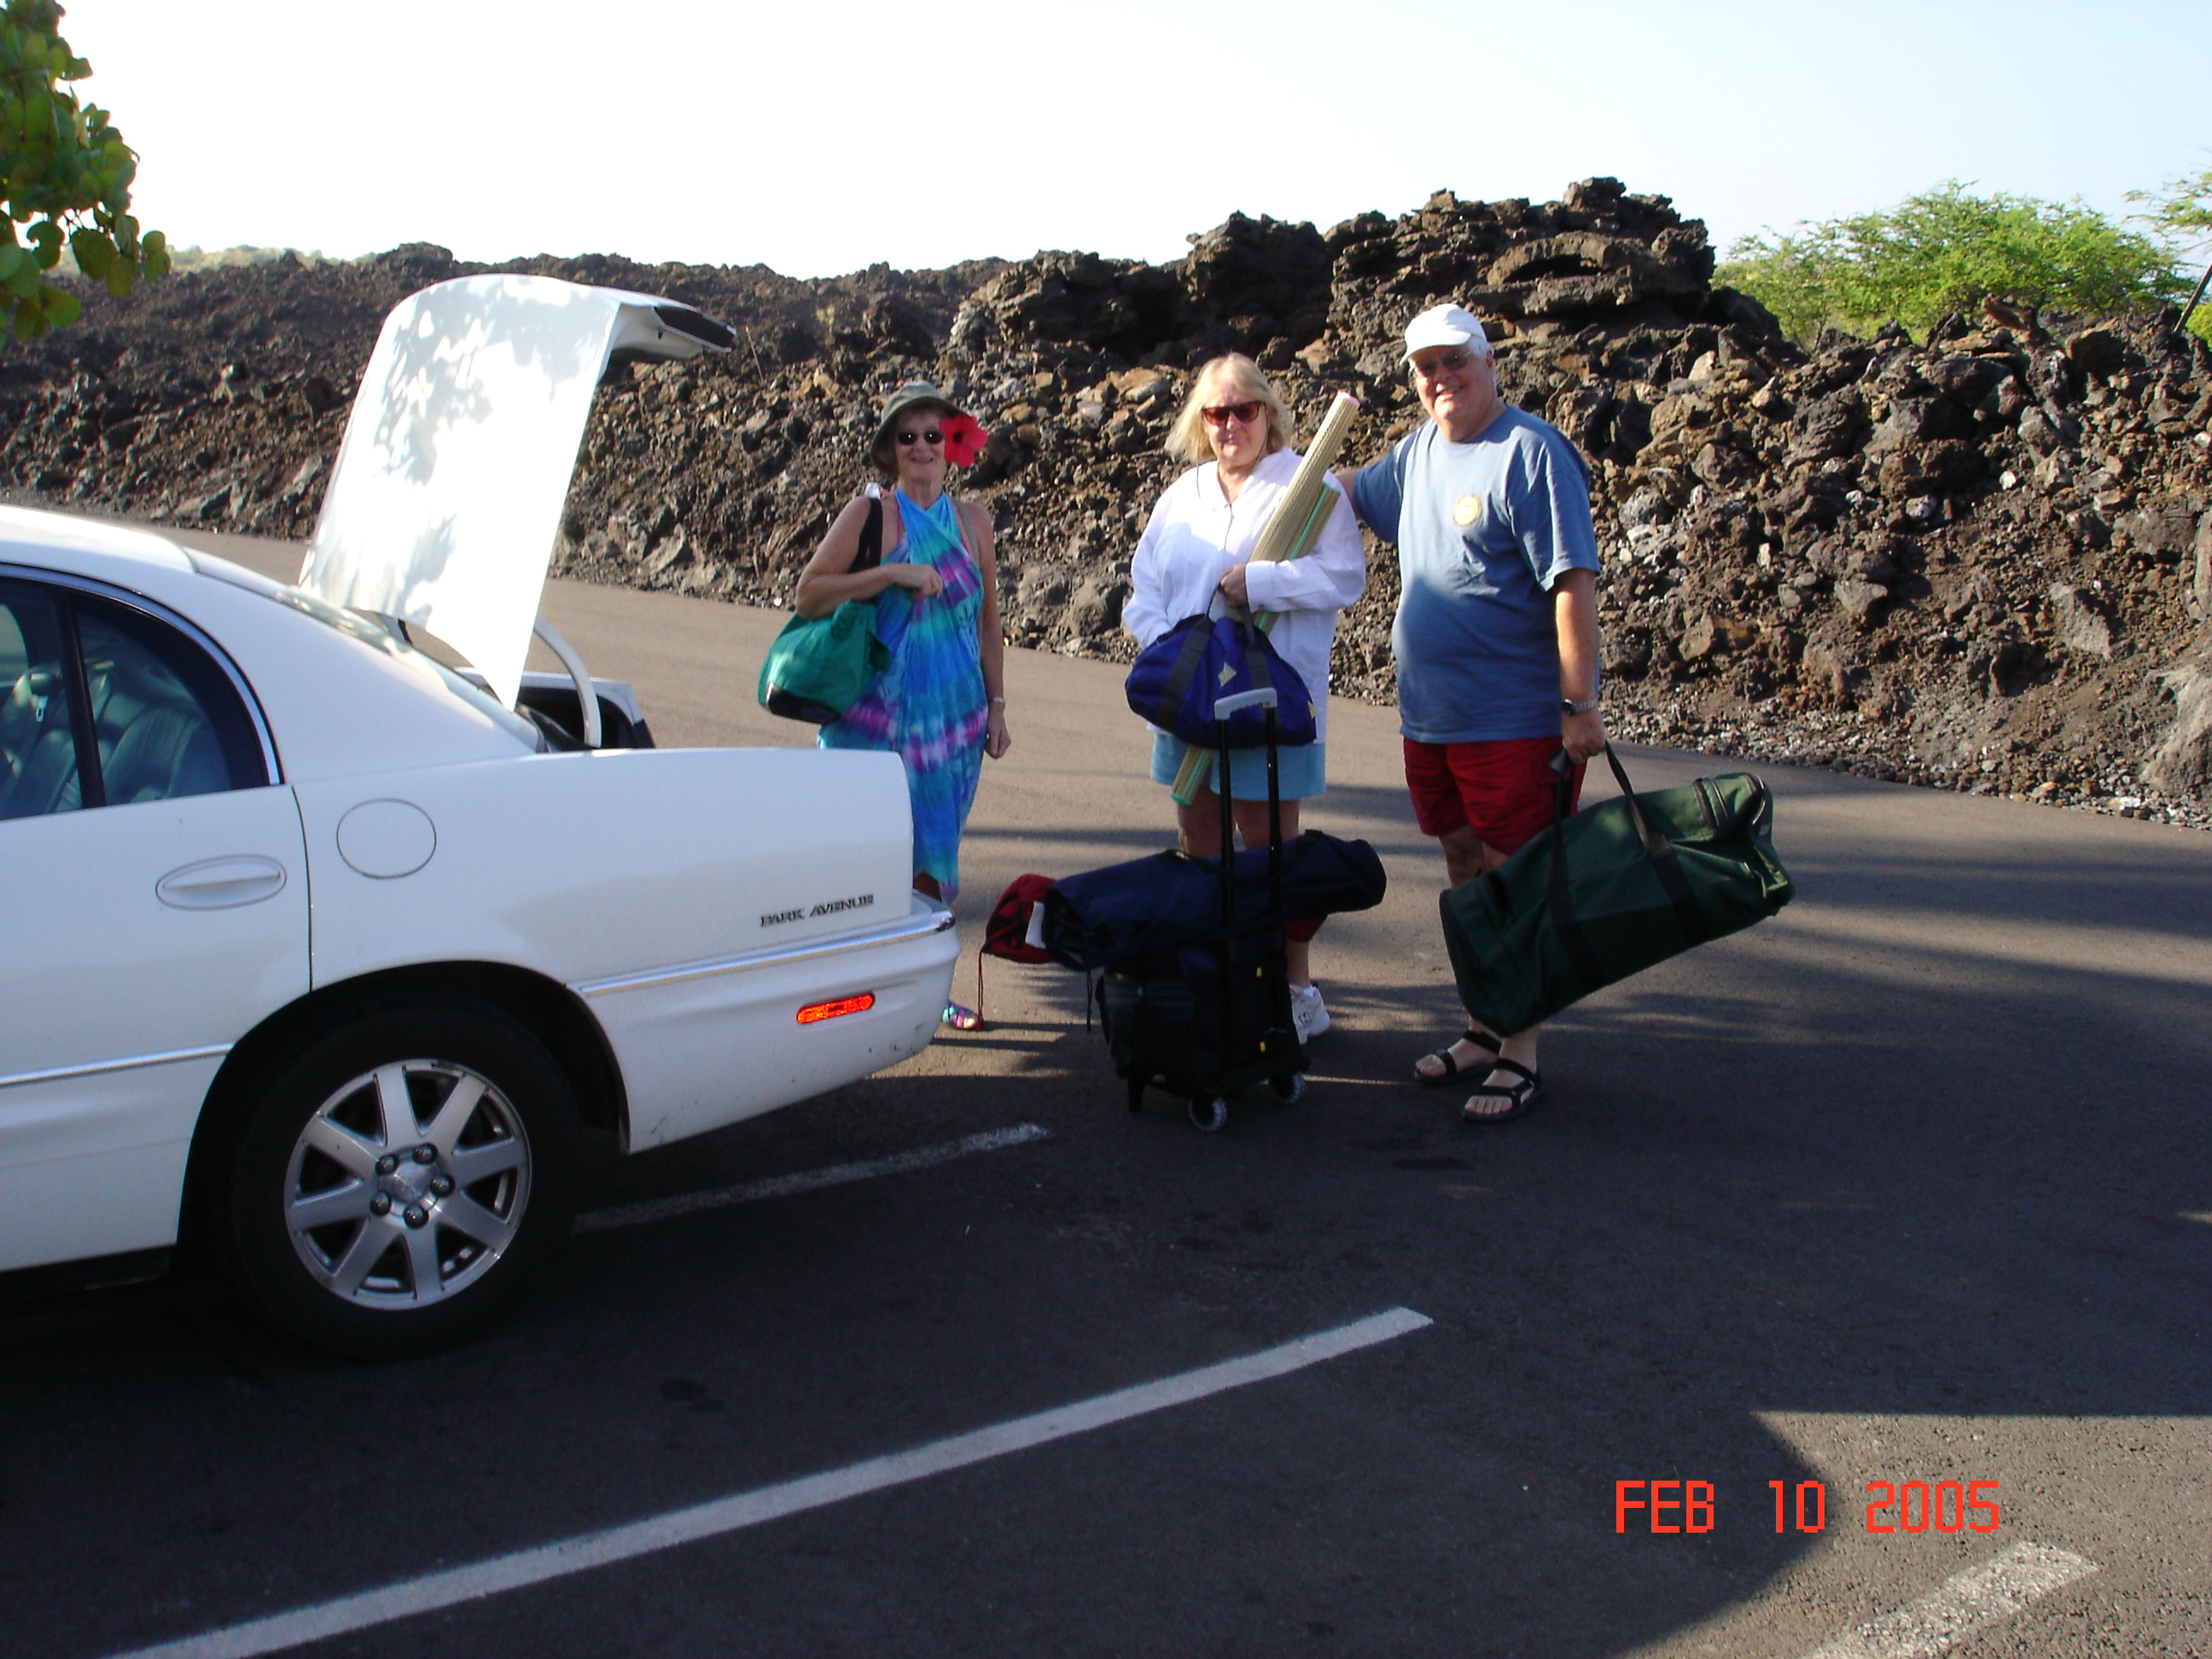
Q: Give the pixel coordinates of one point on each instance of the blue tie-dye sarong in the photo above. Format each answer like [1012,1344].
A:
[928,706]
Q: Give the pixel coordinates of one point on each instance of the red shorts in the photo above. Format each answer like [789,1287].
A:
[1502,790]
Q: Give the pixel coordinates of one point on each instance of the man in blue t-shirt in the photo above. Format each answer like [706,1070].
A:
[1496,636]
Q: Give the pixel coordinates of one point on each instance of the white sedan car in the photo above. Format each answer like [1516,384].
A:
[316,949]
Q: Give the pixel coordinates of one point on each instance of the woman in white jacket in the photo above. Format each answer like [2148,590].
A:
[1194,557]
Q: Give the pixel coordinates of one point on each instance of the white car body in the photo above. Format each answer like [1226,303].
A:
[656,920]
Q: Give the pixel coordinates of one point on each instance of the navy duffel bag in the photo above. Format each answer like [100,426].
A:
[1152,907]
[1175,679]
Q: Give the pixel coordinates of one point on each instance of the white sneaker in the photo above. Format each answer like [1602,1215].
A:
[1307,1013]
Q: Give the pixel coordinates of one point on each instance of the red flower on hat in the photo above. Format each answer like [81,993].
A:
[965,438]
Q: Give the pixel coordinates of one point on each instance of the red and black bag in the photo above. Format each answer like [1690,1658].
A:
[1015,928]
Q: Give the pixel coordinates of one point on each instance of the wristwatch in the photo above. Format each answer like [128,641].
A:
[1577,705]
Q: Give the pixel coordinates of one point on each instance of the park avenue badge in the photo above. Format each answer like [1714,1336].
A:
[1467,511]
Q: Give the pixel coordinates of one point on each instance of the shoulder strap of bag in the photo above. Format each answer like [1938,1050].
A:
[1256,652]
[1656,847]
[871,534]
[1176,686]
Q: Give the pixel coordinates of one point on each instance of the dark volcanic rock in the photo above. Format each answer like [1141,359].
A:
[1982,562]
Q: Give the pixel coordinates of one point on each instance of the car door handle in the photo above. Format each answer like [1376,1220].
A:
[222,883]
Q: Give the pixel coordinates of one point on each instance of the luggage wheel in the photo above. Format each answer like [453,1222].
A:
[1207,1116]
[1289,1090]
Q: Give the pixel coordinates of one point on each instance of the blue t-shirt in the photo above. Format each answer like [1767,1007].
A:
[1484,529]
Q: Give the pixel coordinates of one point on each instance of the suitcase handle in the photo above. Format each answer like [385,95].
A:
[1262,696]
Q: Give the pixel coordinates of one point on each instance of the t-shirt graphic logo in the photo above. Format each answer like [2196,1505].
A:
[1466,512]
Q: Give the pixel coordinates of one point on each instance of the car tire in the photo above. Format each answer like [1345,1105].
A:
[401,1176]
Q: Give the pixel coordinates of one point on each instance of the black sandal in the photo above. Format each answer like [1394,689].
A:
[1452,1067]
[1521,1097]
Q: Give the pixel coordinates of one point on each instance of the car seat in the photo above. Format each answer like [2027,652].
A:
[38,751]
[167,750]
[155,742]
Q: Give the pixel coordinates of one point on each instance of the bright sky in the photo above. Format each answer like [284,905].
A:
[818,137]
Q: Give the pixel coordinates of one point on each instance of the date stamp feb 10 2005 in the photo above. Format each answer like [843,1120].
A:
[1685,1506]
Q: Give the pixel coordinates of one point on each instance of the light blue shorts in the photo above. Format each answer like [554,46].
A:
[1300,773]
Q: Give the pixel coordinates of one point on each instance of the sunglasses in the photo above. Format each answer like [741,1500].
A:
[1243,413]
[932,438]
[1450,363]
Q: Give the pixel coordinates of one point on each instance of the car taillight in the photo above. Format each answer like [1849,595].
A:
[814,1012]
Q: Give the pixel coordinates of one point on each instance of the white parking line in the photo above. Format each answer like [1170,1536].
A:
[1961,1605]
[725,1515]
[807,1181]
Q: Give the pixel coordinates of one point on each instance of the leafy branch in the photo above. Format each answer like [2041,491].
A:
[2181,212]
[66,174]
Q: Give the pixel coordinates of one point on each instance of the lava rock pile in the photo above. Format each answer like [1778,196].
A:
[1980,562]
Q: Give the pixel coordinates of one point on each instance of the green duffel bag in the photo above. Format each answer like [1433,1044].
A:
[1608,891]
[820,666]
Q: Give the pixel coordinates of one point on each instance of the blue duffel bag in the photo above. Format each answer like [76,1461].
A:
[1176,678]
[1149,909]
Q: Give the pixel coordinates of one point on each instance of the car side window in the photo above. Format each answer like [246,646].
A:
[167,721]
[39,732]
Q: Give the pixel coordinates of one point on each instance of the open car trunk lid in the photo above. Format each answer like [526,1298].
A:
[457,456]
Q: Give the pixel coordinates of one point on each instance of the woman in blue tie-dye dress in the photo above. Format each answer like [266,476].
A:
[940,705]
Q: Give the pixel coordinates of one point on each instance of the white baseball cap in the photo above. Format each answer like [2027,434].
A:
[1446,326]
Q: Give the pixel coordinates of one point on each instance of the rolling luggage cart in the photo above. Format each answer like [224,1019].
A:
[1214,1018]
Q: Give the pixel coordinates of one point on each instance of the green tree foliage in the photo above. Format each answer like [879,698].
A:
[2180,208]
[1945,251]
[2181,212]
[66,173]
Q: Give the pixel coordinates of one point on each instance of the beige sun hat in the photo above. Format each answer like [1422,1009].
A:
[910,395]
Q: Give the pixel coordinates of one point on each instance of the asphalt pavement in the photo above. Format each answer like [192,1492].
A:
[1908,1185]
